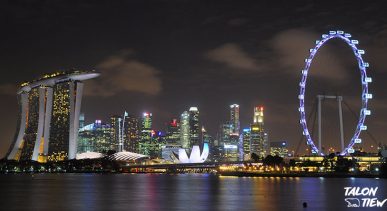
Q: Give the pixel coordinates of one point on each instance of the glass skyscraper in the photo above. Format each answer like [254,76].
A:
[194,127]
[246,143]
[131,134]
[173,133]
[234,119]
[258,141]
[185,130]
[95,137]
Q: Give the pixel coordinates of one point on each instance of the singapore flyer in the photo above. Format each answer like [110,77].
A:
[365,95]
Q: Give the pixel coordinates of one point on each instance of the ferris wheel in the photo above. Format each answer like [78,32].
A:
[365,95]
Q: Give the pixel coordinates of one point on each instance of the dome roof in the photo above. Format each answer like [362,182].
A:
[126,156]
[89,155]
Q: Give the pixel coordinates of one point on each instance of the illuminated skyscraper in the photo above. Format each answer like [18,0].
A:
[246,143]
[194,127]
[146,126]
[258,114]
[153,146]
[185,130]
[49,117]
[234,119]
[131,134]
[207,139]
[147,121]
[116,130]
[279,148]
[258,141]
[147,145]
[173,133]
[95,137]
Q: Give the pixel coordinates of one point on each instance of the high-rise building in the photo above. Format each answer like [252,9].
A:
[116,130]
[49,117]
[224,133]
[95,137]
[147,144]
[234,119]
[246,143]
[207,139]
[173,133]
[172,141]
[185,130]
[125,132]
[194,127]
[153,146]
[258,141]
[146,126]
[279,148]
[228,142]
[131,133]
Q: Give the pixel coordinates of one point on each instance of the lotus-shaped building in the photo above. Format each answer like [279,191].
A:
[195,156]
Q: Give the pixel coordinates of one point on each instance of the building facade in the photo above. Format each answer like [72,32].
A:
[173,133]
[95,137]
[131,134]
[258,140]
[49,117]
[279,148]
[184,130]
[246,143]
[234,119]
[194,127]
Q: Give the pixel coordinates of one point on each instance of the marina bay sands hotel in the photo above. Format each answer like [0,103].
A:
[48,121]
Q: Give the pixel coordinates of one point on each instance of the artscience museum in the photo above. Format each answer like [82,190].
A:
[196,155]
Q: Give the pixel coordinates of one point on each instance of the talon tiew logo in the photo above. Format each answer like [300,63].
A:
[363,197]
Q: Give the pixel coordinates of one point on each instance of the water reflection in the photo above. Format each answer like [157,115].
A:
[175,192]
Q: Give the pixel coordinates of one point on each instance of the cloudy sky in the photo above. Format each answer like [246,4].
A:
[165,56]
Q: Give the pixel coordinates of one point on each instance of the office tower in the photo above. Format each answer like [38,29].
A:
[258,141]
[95,137]
[150,141]
[246,143]
[49,117]
[224,133]
[131,134]
[146,126]
[194,127]
[234,119]
[228,142]
[279,148]
[173,133]
[210,141]
[152,146]
[116,130]
[185,130]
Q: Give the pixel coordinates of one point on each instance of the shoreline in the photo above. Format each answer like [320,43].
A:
[325,175]
[223,174]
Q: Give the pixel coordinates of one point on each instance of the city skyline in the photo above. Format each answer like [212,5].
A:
[210,60]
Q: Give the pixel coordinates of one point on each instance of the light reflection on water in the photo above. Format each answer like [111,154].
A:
[175,192]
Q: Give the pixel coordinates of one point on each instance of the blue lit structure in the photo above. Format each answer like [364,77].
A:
[364,81]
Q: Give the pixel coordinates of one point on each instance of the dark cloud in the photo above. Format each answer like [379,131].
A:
[291,48]
[233,56]
[123,73]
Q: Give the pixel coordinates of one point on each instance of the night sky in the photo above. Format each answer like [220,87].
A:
[166,56]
